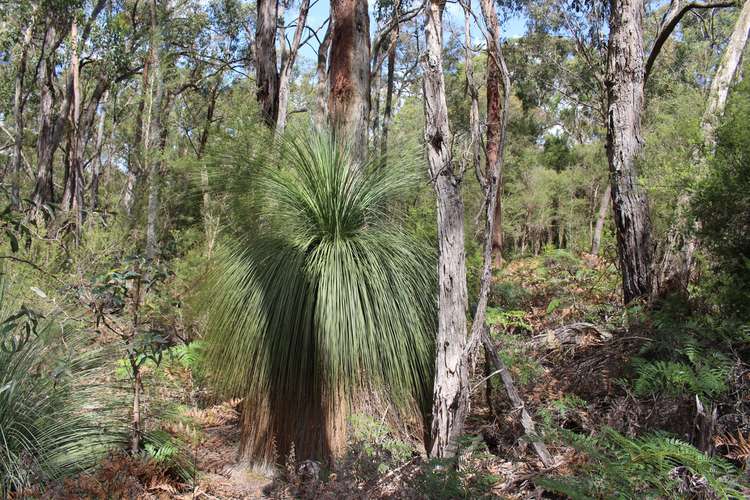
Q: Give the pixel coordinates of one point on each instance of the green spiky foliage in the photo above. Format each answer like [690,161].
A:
[51,424]
[330,303]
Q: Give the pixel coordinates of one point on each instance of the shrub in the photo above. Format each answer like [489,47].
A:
[51,420]
[722,205]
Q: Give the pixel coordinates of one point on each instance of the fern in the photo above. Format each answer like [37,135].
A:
[653,466]
[704,374]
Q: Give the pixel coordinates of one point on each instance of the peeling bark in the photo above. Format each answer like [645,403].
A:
[266,74]
[451,391]
[349,76]
[498,100]
[624,82]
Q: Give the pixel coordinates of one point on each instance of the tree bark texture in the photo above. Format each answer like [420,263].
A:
[624,82]
[288,65]
[498,100]
[349,74]
[18,108]
[451,391]
[155,139]
[725,73]
[266,74]
[46,143]
[601,217]
[388,105]
[321,90]
[72,200]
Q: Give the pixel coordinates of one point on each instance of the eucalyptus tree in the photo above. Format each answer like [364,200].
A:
[451,389]
[349,73]
[674,269]
[20,98]
[627,70]
[272,79]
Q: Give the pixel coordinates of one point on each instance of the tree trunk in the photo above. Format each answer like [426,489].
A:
[497,103]
[266,75]
[596,240]
[349,77]
[451,391]
[156,132]
[45,146]
[515,398]
[72,200]
[624,82]
[209,223]
[471,88]
[98,165]
[321,91]
[18,108]
[725,73]
[377,82]
[288,66]
[678,259]
[137,430]
[388,105]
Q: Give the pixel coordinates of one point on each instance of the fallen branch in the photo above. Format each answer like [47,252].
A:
[570,334]
[518,404]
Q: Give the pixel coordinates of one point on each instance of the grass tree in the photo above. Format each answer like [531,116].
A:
[330,302]
[53,421]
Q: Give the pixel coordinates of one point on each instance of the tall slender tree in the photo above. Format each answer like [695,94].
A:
[451,391]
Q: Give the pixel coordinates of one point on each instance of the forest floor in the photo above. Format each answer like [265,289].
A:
[556,322]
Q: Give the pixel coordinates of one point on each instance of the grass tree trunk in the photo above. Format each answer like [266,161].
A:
[349,74]
[624,81]
[266,74]
[451,391]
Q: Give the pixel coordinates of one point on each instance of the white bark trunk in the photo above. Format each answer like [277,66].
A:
[451,391]
[725,73]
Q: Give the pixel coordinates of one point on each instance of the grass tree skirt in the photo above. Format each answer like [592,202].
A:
[331,300]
